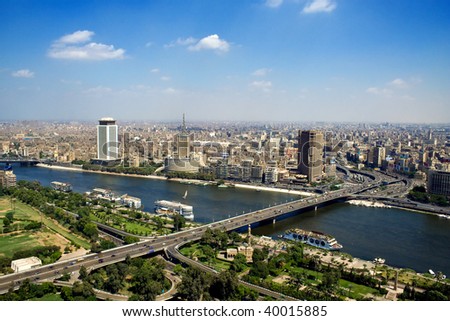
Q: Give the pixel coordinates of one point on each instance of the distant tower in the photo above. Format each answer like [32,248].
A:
[184,141]
[107,139]
[310,154]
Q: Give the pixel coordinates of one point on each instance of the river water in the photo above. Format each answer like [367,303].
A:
[404,238]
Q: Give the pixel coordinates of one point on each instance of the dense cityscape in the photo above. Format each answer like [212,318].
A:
[246,159]
[382,165]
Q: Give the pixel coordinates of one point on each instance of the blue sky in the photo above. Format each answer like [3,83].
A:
[262,60]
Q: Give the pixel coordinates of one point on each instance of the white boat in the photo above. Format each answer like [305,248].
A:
[313,238]
[379,260]
[431,272]
[62,187]
[172,208]
[185,195]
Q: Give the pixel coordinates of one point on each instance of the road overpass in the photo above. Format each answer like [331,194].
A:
[151,245]
[21,161]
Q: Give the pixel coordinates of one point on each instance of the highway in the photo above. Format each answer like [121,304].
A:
[171,242]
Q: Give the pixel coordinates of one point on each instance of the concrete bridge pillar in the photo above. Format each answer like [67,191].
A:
[274,221]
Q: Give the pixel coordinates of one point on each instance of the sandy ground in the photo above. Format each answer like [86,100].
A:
[74,254]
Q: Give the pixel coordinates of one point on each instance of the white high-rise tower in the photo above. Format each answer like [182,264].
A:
[107,139]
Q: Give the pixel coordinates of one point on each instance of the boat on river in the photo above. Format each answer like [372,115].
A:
[171,208]
[313,238]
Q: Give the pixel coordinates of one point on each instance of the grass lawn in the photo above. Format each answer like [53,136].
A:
[357,291]
[26,212]
[49,297]
[10,244]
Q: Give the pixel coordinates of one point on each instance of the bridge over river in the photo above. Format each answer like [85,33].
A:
[170,243]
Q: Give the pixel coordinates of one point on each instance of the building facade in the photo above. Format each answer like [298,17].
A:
[7,179]
[310,154]
[107,139]
[438,182]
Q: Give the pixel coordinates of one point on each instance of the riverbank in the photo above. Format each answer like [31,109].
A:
[99,172]
[273,189]
[181,180]
[368,204]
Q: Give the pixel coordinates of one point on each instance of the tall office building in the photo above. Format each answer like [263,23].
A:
[379,154]
[183,159]
[310,154]
[438,182]
[107,139]
[183,142]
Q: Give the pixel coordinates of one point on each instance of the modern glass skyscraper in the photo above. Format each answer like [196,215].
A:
[107,139]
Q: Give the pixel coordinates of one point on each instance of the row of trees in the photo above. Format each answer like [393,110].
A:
[186,175]
[146,170]
[200,286]
[144,278]
[419,194]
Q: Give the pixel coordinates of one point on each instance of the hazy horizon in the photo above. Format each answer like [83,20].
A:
[260,60]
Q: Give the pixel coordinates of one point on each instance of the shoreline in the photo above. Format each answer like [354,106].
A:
[99,172]
[163,178]
[273,189]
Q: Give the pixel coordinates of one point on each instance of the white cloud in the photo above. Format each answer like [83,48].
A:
[212,42]
[170,91]
[273,3]
[149,44]
[72,47]
[320,6]
[379,91]
[181,42]
[263,85]
[165,78]
[399,83]
[79,36]
[99,90]
[23,73]
[154,70]
[261,72]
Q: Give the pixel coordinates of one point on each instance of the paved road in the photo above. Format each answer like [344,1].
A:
[151,245]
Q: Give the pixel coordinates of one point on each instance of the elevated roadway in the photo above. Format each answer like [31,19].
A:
[170,242]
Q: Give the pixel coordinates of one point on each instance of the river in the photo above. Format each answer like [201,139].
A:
[404,238]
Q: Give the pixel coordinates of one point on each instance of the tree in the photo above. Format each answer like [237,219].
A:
[129,239]
[83,273]
[90,230]
[259,269]
[239,263]
[296,253]
[330,280]
[83,291]
[224,286]
[178,222]
[6,222]
[259,255]
[235,237]
[149,280]
[209,253]
[194,284]
[10,216]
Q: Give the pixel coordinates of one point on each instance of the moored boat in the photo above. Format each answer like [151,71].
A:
[312,238]
[171,208]
[62,187]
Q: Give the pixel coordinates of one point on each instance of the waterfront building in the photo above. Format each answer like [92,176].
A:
[7,179]
[107,139]
[183,159]
[438,182]
[271,175]
[310,154]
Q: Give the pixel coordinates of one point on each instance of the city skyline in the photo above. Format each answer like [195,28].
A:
[274,60]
